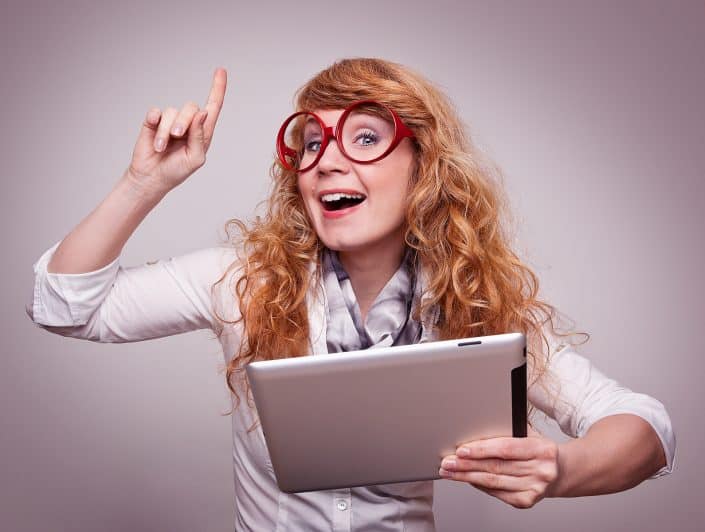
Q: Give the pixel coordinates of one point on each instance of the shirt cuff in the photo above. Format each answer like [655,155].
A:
[68,299]
[662,427]
[654,413]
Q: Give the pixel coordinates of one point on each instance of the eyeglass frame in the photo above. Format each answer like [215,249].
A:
[401,131]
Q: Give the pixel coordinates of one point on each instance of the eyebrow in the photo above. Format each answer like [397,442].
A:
[307,125]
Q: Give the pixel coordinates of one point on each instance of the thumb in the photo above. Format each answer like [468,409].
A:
[149,127]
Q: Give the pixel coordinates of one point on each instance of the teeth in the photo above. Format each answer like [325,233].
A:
[337,196]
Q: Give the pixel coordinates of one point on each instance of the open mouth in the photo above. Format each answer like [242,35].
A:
[341,200]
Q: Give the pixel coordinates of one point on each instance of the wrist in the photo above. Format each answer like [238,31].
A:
[566,456]
[140,190]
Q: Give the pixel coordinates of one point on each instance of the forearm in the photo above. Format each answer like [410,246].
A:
[99,238]
[617,453]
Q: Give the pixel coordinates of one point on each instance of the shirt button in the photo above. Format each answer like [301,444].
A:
[342,505]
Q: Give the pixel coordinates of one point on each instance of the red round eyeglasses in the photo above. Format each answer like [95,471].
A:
[366,132]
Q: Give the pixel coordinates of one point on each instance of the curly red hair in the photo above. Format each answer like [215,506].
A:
[457,221]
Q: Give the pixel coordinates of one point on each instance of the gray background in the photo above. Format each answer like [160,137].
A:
[594,111]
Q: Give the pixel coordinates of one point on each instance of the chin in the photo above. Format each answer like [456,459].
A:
[341,245]
[342,242]
[360,239]
[359,246]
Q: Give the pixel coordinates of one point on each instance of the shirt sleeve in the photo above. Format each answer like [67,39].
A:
[576,394]
[129,304]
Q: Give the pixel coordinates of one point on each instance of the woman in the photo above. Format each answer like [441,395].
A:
[384,227]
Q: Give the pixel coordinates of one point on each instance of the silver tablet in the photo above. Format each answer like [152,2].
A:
[387,415]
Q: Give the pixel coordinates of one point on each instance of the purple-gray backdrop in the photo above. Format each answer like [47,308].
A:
[593,109]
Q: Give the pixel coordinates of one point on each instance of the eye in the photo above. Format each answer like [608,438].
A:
[366,138]
[312,145]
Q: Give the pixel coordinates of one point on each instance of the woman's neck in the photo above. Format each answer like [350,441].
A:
[369,272]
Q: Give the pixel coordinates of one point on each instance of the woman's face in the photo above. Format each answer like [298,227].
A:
[344,223]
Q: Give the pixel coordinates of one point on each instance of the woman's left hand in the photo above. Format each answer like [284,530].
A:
[518,471]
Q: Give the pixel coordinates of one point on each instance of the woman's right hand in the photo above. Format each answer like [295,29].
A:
[172,144]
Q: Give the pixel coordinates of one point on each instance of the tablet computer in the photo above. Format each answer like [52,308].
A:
[387,415]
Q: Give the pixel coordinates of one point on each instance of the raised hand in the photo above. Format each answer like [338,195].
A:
[173,144]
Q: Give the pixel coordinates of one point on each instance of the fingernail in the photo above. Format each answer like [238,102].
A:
[448,463]
[445,473]
[177,130]
[159,144]
[462,452]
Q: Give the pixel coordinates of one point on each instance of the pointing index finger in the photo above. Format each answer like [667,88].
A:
[215,101]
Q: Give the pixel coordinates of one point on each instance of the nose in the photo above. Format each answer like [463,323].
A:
[332,159]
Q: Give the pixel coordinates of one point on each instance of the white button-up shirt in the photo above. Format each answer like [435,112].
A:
[172,296]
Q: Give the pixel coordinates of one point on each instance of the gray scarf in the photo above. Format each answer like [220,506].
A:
[388,321]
